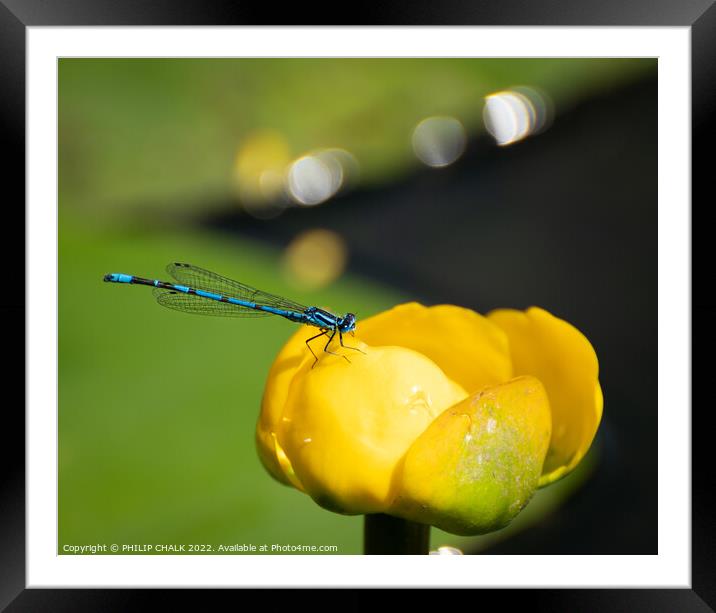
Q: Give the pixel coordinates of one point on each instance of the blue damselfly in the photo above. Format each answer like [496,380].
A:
[204,292]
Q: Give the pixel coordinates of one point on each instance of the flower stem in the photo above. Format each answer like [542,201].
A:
[385,534]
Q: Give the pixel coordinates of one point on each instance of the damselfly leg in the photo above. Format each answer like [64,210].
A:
[333,352]
[340,336]
[328,344]
[309,346]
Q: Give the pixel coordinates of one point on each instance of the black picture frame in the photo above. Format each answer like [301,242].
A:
[17,15]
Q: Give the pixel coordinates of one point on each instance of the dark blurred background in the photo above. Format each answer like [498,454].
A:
[354,184]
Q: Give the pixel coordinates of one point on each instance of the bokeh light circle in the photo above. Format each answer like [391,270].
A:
[439,141]
[315,258]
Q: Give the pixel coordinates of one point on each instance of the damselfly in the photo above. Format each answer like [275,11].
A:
[204,292]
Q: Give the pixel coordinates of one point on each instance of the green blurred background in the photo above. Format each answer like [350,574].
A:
[157,409]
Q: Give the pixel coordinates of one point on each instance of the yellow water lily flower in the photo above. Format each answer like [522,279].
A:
[447,417]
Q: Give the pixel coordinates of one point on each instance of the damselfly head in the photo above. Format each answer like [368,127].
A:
[347,323]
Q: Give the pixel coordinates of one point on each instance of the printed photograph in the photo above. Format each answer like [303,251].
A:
[347,306]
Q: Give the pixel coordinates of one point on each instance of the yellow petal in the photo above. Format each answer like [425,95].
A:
[562,358]
[479,462]
[346,425]
[284,368]
[470,349]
